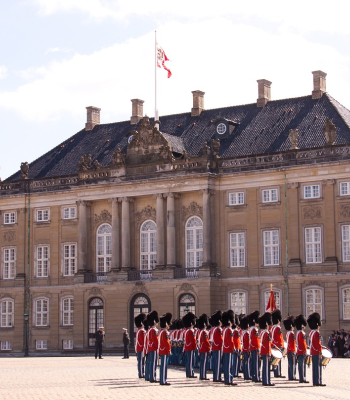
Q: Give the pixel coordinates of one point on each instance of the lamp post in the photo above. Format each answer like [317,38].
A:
[26,322]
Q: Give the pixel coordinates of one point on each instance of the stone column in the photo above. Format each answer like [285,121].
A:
[206,227]
[294,261]
[329,219]
[115,235]
[170,229]
[83,236]
[160,230]
[125,231]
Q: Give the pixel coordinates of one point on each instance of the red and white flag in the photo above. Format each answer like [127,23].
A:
[271,305]
[161,58]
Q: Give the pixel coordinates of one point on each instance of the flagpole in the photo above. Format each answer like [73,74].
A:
[155,80]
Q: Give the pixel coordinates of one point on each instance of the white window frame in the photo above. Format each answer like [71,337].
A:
[346,187]
[278,298]
[316,306]
[312,191]
[268,248]
[194,251]
[10,217]
[42,215]
[41,344]
[236,198]
[6,345]
[42,264]
[7,311]
[239,308]
[148,245]
[345,242]
[69,259]
[67,311]
[67,344]
[237,245]
[103,249]
[9,262]
[313,248]
[344,304]
[41,316]
[270,195]
[69,212]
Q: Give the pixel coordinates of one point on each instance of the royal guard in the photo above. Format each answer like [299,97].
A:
[190,344]
[236,362]
[228,318]
[164,347]
[254,346]
[291,348]
[216,321]
[277,339]
[145,347]
[152,345]
[204,347]
[265,321]
[140,344]
[314,322]
[300,324]
[245,347]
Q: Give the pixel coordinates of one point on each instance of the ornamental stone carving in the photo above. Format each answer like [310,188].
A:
[312,212]
[85,163]
[293,185]
[118,158]
[24,169]
[293,138]
[139,287]
[215,147]
[104,216]
[185,287]
[9,236]
[330,132]
[95,291]
[192,209]
[147,213]
[345,210]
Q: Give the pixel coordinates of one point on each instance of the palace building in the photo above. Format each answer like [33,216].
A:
[198,211]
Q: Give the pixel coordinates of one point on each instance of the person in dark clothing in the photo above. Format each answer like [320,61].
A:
[126,342]
[99,338]
[341,344]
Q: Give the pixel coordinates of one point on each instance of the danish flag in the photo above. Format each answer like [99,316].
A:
[271,305]
[161,58]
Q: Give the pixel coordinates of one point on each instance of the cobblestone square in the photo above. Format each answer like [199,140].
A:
[116,378]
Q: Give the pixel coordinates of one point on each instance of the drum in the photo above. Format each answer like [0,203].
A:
[326,356]
[308,358]
[276,357]
[284,349]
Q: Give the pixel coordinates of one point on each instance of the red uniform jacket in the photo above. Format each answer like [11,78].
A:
[152,339]
[315,343]
[290,342]
[227,338]
[164,343]
[245,341]
[265,349]
[301,343]
[277,337]
[237,340]
[254,340]
[190,340]
[204,345]
[217,338]
[140,339]
[145,346]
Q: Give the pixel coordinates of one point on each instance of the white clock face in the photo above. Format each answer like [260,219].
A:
[221,128]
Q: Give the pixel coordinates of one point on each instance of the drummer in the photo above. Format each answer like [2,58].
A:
[314,322]
[277,338]
[300,324]
[291,350]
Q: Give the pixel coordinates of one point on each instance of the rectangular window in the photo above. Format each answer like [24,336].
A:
[67,344]
[69,259]
[239,302]
[41,344]
[344,188]
[6,313]
[237,249]
[271,247]
[346,303]
[42,215]
[311,192]
[269,195]
[236,198]
[313,245]
[9,263]
[6,345]
[42,312]
[67,311]
[313,302]
[69,212]
[42,261]
[9,218]
[345,234]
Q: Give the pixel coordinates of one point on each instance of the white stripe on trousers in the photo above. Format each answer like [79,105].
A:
[154,366]
[204,365]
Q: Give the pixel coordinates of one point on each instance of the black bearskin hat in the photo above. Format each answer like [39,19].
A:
[276,316]
[189,319]
[244,322]
[265,320]
[300,321]
[165,319]
[227,317]
[152,318]
[288,323]
[139,320]
[216,318]
[202,321]
[314,320]
[253,318]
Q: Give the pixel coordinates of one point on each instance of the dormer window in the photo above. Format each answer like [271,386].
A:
[224,128]
[221,128]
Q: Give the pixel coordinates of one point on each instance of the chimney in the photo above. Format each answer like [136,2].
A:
[137,111]
[319,84]
[264,92]
[93,117]
[198,103]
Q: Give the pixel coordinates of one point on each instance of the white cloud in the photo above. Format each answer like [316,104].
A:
[3,71]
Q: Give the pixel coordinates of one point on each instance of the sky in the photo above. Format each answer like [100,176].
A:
[59,56]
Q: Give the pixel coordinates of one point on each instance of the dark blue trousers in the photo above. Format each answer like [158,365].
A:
[227,367]
[216,365]
[141,363]
[246,366]
[189,363]
[266,378]
[255,367]
[291,366]
[301,368]
[163,369]
[316,370]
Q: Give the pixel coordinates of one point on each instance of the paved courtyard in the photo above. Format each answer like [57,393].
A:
[52,378]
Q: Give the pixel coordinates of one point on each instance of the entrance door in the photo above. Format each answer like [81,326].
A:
[95,318]
[140,303]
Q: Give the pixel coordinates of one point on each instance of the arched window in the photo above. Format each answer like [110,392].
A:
[187,303]
[238,302]
[140,304]
[95,317]
[7,311]
[148,246]
[104,249]
[194,242]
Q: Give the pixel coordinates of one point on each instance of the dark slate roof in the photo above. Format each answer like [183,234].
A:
[259,131]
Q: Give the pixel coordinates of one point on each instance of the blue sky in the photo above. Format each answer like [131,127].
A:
[59,56]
